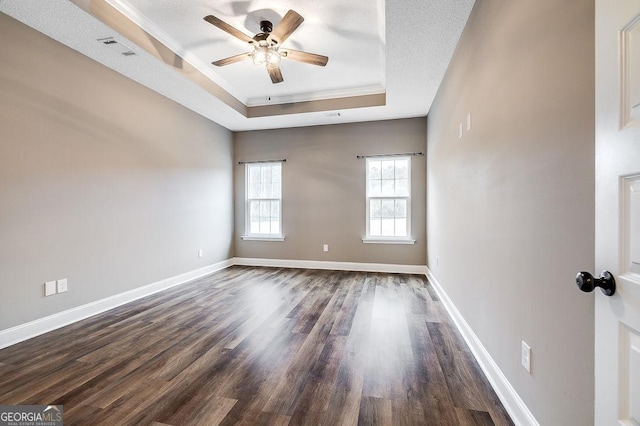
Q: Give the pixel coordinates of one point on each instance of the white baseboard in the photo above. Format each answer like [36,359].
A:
[336,266]
[512,402]
[34,328]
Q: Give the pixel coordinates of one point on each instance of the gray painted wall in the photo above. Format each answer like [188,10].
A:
[324,190]
[510,205]
[102,181]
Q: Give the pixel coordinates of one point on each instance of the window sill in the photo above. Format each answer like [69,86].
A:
[388,241]
[260,238]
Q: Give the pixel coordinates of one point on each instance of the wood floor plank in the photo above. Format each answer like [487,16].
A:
[72,371]
[83,415]
[493,404]
[375,411]
[138,405]
[347,308]
[109,383]
[261,346]
[302,367]
[473,418]
[135,370]
[344,406]
[204,411]
[316,396]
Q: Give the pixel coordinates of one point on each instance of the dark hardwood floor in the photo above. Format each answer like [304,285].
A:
[261,346]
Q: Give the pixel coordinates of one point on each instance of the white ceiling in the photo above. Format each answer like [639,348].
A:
[398,48]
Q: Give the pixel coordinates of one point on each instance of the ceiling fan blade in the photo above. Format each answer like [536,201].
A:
[306,57]
[275,74]
[227,28]
[286,26]
[232,59]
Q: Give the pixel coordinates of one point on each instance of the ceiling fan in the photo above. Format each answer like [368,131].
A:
[266,45]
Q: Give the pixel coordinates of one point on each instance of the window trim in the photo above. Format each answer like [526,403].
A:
[378,239]
[388,240]
[248,235]
[259,238]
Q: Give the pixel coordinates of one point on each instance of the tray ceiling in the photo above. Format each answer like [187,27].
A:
[386,59]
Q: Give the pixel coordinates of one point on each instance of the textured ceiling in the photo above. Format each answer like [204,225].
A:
[396,49]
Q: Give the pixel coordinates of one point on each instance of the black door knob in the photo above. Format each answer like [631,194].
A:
[587,283]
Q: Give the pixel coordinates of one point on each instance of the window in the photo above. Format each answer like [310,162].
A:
[263,210]
[388,199]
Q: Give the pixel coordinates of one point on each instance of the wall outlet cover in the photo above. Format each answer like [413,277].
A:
[62,285]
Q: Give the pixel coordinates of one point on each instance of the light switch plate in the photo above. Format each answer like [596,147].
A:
[526,356]
[49,288]
[62,285]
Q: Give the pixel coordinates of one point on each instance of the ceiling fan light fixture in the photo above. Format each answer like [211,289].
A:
[266,56]
[265,51]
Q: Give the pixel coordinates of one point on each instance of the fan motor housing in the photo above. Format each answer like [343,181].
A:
[266,26]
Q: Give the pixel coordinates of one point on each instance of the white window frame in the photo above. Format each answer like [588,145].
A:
[252,236]
[377,239]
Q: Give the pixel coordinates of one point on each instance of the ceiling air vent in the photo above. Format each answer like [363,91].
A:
[116,46]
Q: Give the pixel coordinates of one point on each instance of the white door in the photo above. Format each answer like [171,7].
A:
[617,318]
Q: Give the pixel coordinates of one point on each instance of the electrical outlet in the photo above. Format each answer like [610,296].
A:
[62,285]
[49,288]
[325,247]
[199,252]
[469,121]
[526,356]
